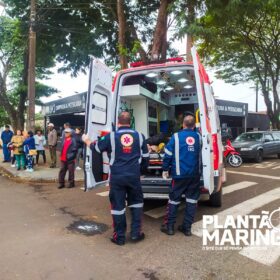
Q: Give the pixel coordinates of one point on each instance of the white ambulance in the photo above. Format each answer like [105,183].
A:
[156,95]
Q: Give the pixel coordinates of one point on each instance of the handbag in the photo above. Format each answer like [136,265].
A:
[33,152]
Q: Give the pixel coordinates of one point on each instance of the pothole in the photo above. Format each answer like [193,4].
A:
[88,228]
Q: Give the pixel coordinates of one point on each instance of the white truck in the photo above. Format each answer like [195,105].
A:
[155,94]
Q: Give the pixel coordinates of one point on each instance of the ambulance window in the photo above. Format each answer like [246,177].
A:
[99,108]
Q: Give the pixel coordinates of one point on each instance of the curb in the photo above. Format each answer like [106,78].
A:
[28,179]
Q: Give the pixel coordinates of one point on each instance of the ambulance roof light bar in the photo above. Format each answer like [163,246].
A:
[142,63]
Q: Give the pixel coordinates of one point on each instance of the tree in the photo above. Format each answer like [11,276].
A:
[11,52]
[242,38]
[62,35]
[68,31]
[3,117]
[13,79]
[142,28]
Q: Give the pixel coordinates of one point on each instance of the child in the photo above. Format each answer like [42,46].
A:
[11,149]
[17,141]
[29,150]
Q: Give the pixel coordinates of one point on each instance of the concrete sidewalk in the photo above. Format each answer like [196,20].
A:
[42,173]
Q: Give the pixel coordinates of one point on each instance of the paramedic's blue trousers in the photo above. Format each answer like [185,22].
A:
[189,187]
[120,190]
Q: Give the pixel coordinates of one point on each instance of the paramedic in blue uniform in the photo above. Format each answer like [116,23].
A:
[182,157]
[128,153]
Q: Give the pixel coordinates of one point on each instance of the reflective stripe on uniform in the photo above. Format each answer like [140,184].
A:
[138,205]
[200,154]
[113,146]
[125,130]
[140,144]
[200,139]
[146,155]
[191,200]
[118,212]
[177,156]
[96,148]
[174,202]
[168,152]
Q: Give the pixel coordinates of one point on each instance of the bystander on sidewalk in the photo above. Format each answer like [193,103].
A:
[42,174]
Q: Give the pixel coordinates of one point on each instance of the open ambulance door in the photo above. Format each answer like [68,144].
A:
[201,79]
[98,119]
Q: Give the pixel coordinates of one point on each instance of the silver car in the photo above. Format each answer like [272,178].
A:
[257,145]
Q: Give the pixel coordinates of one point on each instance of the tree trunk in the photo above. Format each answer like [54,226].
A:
[272,111]
[122,30]
[164,41]
[272,114]
[276,123]
[190,20]
[159,38]
[16,115]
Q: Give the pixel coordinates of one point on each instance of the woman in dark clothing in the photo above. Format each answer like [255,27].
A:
[29,150]
[80,145]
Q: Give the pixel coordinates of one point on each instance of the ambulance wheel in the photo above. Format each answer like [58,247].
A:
[216,198]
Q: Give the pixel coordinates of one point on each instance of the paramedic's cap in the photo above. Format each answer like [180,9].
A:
[68,130]
[51,124]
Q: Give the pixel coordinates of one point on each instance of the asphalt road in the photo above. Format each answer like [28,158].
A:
[48,233]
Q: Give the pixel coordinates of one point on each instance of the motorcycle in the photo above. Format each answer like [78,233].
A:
[231,155]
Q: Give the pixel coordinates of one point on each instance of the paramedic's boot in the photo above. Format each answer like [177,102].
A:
[140,237]
[117,242]
[169,230]
[186,231]
[136,233]
[188,218]
[170,218]
[119,222]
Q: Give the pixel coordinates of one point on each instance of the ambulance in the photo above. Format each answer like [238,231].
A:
[157,96]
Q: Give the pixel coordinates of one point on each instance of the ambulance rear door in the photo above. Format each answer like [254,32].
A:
[98,119]
[201,79]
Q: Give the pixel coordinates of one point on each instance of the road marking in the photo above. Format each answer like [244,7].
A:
[160,211]
[254,175]
[268,255]
[103,193]
[277,167]
[242,209]
[238,186]
[263,165]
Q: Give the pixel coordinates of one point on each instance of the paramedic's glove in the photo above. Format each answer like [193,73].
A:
[165,175]
[86,139]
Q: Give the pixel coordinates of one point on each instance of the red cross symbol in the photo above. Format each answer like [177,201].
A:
[126,140]
[190,140]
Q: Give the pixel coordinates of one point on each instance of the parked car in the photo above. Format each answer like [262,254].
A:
[257,145]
